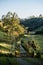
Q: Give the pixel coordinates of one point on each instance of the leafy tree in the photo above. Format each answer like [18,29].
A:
[12,25]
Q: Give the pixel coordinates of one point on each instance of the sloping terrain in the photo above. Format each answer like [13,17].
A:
[32,23]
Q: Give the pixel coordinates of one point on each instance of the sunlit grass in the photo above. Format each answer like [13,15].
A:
[4,51]
[7,48]
[5,45]
[38,39]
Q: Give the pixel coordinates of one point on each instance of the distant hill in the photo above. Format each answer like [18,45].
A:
[33,24]
[40,28]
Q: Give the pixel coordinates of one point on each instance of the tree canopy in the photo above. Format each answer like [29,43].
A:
[11,24]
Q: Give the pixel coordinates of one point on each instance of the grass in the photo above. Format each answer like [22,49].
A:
[34,61]
[4,37]
[39,29]
[4,61]
[38,39]
[13,61]
[6,46]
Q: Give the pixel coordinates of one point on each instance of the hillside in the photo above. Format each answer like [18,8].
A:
[4,37]
[40,28]
[32,23]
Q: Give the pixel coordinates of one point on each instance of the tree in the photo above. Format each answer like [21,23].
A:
[40,16]
[12,24]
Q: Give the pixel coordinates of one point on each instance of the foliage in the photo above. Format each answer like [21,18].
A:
[32,23]
[11,24]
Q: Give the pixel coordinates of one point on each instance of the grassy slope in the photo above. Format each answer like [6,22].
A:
[4,47]
[2,34]
[4,37]
[39,28]
[37,38]
[4,61]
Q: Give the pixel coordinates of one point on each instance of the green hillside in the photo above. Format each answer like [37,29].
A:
[39,28]
[32,23]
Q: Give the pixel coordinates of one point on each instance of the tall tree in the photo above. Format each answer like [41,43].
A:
[12,24]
